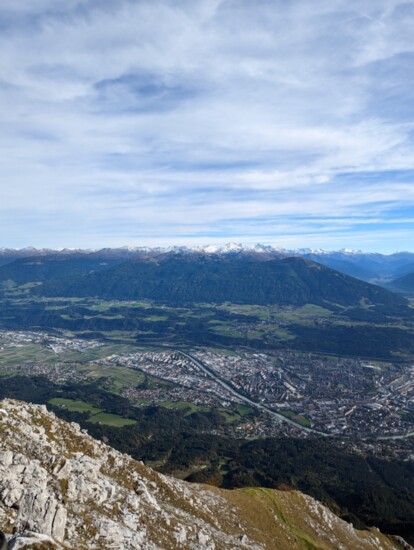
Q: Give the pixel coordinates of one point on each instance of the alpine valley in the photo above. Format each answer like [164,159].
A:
[269,393]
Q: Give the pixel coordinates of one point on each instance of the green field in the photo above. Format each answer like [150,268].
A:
[236,414]
[156,318]
[74,406]
[181,405]
[23,354]
[96,416]
[111,420]
[116,377]
[296,417]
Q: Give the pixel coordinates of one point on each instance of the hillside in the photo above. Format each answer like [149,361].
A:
[403,284]
[59,488]
[222,299]
[367,266]
[364,265]
[46,268]
[179,279]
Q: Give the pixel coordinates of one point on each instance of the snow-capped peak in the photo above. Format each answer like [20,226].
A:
[232,248]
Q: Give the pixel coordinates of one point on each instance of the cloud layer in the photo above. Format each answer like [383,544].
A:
[195,121]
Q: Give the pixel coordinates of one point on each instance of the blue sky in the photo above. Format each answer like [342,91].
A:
[158,122]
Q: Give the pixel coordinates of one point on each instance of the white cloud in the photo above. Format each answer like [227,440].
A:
[118,111]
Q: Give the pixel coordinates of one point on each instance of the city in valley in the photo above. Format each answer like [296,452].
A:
[292,393]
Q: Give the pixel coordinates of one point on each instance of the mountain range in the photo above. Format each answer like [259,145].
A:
[181,278]
[367,266]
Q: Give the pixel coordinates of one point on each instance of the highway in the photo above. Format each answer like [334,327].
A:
[246,399]
[270,411]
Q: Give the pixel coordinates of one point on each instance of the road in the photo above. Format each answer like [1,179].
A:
[270,411]
[246,399]
[389,437]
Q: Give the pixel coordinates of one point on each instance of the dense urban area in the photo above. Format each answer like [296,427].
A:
[297,393]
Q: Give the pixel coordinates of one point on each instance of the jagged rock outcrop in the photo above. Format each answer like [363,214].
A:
[61,489]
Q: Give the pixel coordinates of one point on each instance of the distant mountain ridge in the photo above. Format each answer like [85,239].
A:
[183,278]
[367,266]
[52,266]
[403,284]
[228,248]
[179,276]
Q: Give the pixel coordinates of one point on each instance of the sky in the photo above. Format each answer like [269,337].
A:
[188,122]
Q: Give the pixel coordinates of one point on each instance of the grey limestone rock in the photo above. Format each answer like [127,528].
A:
[28,539]
[61,489]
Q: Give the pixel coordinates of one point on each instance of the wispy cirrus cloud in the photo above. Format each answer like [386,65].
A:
[129,122]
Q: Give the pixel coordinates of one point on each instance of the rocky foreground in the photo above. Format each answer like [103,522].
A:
[61,489]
